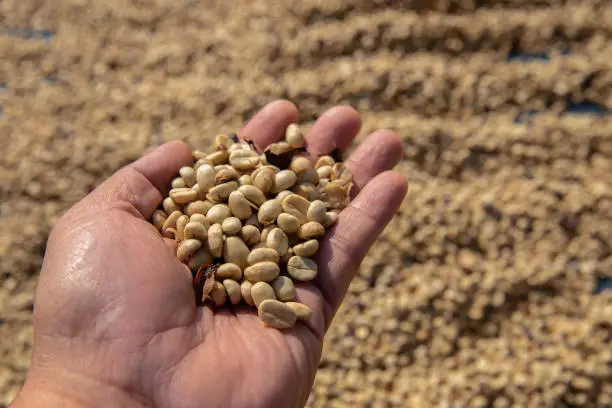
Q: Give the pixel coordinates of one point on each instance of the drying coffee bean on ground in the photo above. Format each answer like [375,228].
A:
[247,224]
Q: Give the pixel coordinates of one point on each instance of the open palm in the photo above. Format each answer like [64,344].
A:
[115,316]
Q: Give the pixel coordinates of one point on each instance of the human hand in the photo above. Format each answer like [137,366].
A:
[115,318]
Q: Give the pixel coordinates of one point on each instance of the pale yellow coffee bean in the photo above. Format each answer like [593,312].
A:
[215,240]
[263,255]
[239,205]
[279,148]
[244,160]
[198,207]
[195,230]
[218,157]
[324,172]
[252,220]
[265,232]
[306,249]
[245,291]
[245,180]
[288,223]
[236,251]
[226,174]
[170,206]
[310,230]
[283,180]
[218,294]
[316,211]
[322,183]
[283,194]
[183,195]
[178,183]
[262,272]
[187,248]
[262,291]
[302,311]
[263,178]
[188,174]
[206,177]
[276,314]
[269,211]
[218,213]
[180,227]
[171,220]
[200,258]
[253,194]
[158,219]
[331,218]
[335,195]
[223,142]
[220,193]
[324,161]
[296,206]
[307,190]
[233,291]
[229,271]
[302,269]
[284,288]
[309,176]
[278,240]
[294,136]
[250,234]
[200,219]
[231,226]
[300,164]
[197,154]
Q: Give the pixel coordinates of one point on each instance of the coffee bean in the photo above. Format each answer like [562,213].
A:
[278,241]
[262,291]
[229,271]
[317,211]
[233,291]
[307,249]
[284,288]
[231,226]
[206,177]
[245,291]
[262,272]
[236,251]
[250,234]
[302,269]
[276,314]
[302,311]
[187,248]
[311,229]
[263,255]
[269,211]
[288,223]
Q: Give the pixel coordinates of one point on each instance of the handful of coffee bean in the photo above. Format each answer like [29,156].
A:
[248,224]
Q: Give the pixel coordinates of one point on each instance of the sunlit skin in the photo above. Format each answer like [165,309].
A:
[115,318]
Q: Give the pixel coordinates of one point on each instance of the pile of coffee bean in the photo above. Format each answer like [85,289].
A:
[248,224]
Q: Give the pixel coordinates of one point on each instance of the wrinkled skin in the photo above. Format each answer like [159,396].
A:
[115,318]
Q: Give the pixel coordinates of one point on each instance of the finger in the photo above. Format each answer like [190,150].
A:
[381,151]
[358,227]
[335,128]
[269,124]
[145,182]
